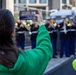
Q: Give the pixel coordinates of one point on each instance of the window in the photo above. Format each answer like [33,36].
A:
[72,3]
[14,1]
[14,9]
[22,1]
[32,1]
[20,9]
[0,3]
[64,1]
[42,1]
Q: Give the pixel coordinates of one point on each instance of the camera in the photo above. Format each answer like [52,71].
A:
[28,15]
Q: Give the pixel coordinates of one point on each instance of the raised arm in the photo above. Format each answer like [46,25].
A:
[36,60]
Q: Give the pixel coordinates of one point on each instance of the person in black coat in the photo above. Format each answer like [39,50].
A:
[64,38]
[34,31]
[47,24]
[72,36]
[53,35]
[20,34]
[52,29]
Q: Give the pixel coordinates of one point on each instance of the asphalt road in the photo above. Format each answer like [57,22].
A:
[65,70]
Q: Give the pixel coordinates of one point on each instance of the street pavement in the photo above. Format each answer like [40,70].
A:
[66,69]
[57,63]
[59,66]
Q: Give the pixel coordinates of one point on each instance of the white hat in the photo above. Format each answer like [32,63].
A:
[71,17]
[63,17]
[53,17]
[47,18]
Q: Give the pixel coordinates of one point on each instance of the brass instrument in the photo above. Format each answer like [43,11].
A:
[16,25]
[54,23]
[27,24]
[68,23]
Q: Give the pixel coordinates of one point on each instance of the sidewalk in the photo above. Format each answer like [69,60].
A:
[55,63]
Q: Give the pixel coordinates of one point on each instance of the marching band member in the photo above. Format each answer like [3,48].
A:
[20,34]
[34,31]
[71,31]
[53,35]
[47,24]
[64,41]
[51,27]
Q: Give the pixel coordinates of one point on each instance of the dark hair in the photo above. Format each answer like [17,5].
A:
[8,52]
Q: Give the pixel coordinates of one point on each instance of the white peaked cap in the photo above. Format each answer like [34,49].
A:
[53,17]
[63,17]
[71,17]
[47,18]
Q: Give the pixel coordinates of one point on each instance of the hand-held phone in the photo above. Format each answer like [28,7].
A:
[24,15]
[28,15]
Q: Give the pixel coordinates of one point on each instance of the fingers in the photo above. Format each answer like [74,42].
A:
[40,17]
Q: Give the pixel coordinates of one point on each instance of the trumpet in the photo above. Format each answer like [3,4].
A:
[68,23]
[26,24]
[54,23]
[16,25]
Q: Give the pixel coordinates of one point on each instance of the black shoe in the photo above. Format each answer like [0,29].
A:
[67,56]
[61,56]
[54,57]
[56,54]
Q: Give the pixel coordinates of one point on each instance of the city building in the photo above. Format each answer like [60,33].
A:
[42,4]
[16,5]
[7,4]
[60,4]
[20,4]
[73,2]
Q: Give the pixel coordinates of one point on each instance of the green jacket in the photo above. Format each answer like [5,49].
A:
[32,62]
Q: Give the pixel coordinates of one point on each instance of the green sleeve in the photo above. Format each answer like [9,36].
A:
[38,58]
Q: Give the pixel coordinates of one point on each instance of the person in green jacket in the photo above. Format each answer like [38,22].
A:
[14,61]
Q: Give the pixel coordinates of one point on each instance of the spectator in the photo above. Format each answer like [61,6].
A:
[16,62]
